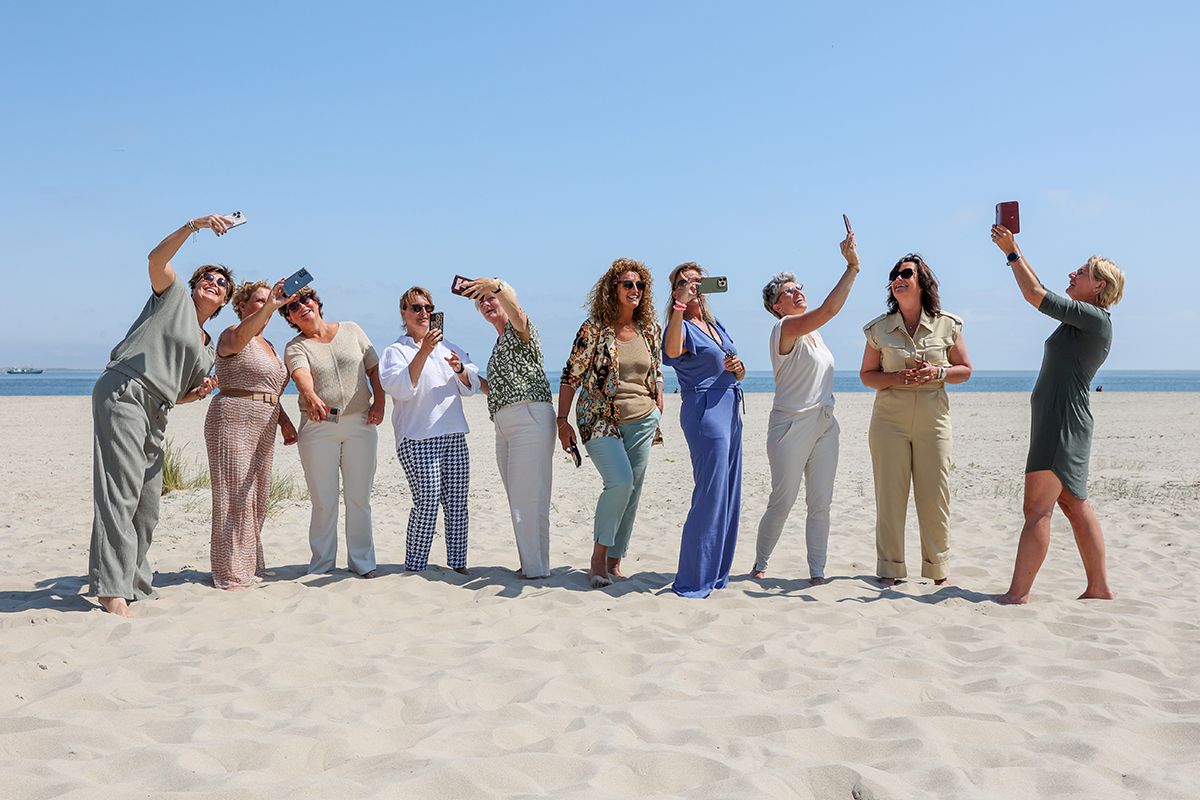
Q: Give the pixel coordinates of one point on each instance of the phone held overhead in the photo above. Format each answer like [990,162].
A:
[296,281]
[236,218]
[1009,215]
[846,220]
[714,284]
[458,285]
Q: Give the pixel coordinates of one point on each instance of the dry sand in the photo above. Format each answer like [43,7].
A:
[436,685]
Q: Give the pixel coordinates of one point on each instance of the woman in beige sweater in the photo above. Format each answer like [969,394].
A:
[336,369]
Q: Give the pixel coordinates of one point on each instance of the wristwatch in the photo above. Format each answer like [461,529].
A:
[1013,256]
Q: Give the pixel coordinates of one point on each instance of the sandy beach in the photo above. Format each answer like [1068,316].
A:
[436,685]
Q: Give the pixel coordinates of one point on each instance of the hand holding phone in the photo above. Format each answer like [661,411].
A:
[846,220]
[236,218]
[458,285]
[437,321]
[574,451]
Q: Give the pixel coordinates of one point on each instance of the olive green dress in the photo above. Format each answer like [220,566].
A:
[1061,431]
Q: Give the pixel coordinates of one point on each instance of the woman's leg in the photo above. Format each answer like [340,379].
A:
[891,463]
[421,460]
[819,473]
[702,543]
[1042,489]
[636,438]
[320,449]
[524,453]
[456,484]
[1090,541]
[932,452]
[608,455]
[360,440]
[786,453]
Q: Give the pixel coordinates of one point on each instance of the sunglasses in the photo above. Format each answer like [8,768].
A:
[295,304]
[417,308]
[794,291]
[905,273]
[631,284]
[212,277]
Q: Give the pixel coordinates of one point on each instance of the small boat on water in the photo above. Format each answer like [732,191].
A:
[24,371]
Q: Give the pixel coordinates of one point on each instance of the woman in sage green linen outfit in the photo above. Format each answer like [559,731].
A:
[164,359]
[1060,441]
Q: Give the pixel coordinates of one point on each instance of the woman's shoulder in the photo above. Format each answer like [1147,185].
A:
[953,318]
[880,323]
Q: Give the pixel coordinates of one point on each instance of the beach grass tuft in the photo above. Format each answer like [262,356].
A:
[179,474]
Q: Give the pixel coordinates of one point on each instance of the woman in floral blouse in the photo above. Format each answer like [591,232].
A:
[615,365]
[519,405]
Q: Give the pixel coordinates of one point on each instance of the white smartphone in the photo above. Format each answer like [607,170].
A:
[238,219]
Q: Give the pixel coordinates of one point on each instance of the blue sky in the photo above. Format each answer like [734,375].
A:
[388,145]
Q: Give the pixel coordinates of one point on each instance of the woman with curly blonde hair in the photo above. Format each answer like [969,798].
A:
[239,431]
[616,366]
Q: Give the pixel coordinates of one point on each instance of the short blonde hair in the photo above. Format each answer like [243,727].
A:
[1102,269]
[410,294]
[675,273]
[244,292]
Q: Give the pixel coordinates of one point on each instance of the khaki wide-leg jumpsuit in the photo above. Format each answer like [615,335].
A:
[910,439]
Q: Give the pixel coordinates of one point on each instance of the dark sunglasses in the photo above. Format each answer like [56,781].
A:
[213,277]
[630,284]
[419,307]
[905,273]
[295,304]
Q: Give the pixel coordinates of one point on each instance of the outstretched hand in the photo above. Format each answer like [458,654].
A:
[849,250]
[1004,239]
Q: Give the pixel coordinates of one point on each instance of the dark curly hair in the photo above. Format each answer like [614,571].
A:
[931,302]
[603,304]
[307,291]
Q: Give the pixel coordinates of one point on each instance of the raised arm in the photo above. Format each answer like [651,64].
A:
[506,296]
[673,345]
[803,324]
[235,338]
[161,273]
[1031,288]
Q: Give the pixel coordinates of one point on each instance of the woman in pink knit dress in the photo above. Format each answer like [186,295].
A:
[240,433]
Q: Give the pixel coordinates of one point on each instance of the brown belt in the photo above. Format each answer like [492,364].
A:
[261,397]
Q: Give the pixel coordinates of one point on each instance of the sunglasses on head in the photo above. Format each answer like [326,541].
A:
[417,308]
[905,273]
[212,277]
[640,285]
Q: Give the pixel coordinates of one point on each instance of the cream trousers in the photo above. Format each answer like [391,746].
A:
[525,439]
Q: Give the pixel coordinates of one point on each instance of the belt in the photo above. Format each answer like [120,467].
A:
[261,397]
[735,387]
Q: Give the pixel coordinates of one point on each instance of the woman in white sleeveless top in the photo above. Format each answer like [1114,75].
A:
[802,435]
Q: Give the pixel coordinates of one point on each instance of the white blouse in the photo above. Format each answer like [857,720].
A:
[434,406]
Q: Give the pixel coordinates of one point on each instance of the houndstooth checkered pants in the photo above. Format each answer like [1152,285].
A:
[439,473]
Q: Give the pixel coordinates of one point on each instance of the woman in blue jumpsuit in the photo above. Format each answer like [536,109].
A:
[709,372]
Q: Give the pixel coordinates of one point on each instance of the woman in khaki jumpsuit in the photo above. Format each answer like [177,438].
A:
[912,352]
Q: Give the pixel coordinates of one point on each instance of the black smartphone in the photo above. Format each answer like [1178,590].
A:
[1009,215]
[574,451]
[332,414]
[437,321]
[714,284]
[296,281]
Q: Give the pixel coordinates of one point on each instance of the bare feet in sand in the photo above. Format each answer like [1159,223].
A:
[1097,594]
[115,605]
[888,582]
[818,580]
[940,581]
[368,574]
[758,574]
[613,565]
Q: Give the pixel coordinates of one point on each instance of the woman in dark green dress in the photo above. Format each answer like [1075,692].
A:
[1060,440]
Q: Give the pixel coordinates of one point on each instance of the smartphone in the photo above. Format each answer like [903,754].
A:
[437,321]
[296,281]
[846,220]
[1009,215]
[238,219]
[574,451]
[714,284]
[332,415]
[456,285]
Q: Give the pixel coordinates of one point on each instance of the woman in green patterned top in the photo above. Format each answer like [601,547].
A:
[616,366]
[519,404]
[1060,440]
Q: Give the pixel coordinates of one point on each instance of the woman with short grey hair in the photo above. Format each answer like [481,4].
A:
[802,435]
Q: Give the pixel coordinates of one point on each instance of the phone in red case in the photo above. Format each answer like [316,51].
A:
[1009,215]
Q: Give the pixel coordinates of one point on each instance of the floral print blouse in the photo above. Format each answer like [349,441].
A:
[593,368]
[516,372]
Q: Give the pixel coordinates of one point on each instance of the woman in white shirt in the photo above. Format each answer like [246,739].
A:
[802,435]
[427,378]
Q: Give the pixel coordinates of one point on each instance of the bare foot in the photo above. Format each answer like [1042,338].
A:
[598,581]
[1010,599]
[614,569]
[886,582]
[463,571]
[368,574]
[1097,594]
[818,580]
[115,605]
[940,581]
[758,574]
